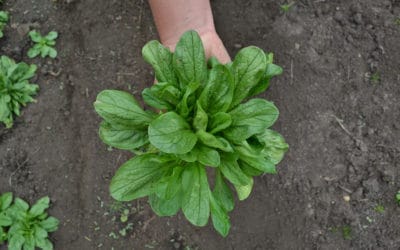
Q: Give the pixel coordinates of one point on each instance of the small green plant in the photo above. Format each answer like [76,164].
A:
[397,197]
[15,89]
[379,208]
[286,7]
[44,44]
[3,21]
[23,227]
[397,21]
[207,119]
[375,78]
[346,232]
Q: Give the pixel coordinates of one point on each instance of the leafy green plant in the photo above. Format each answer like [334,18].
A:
[375,78]
[286,7]
[346,232]
[397,197]
[206,119]
[379,208]
[15,89]
[3,21]
[44,44]
[24,227]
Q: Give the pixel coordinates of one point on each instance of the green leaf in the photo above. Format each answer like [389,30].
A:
[33,52]
[231,170]
[15,242]
[263,84]
[201,119]
[219,217]
[40,206]
[219,122]
[52,52]
[243,191]
[128,139]
[52,35]
[218,92]
[214,141]
[168,186]
[35,36]
[121,110]
[40,233]
[213,62]
[248,67]
[136,177]
[21,204]
[207,156]
[222,193]
[153,100]
[170,133]
[196,200]
[189,59]
[45,50]
[275,146]
[254,158]
[29,243]
[45,244]
[50,224]
[164,207]
[249,170]
[162,95]
[161,59]
[5,220]
[186,105]
[5,200]
[251,118]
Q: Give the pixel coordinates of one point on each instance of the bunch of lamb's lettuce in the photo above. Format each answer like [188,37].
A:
[207,119]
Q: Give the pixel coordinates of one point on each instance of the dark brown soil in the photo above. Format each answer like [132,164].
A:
[340,119]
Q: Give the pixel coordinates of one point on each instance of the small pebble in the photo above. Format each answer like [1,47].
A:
[346,198]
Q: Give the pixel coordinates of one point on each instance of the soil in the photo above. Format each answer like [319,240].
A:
[339,101]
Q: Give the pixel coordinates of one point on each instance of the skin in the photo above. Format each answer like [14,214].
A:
[174,17]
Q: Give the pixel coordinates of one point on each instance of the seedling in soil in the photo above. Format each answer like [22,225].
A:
[44,45]
[346,232]
[15,89]
[24,227]
[375,78]
[397,197]
[286,7]
[207,118]
[379,209]
[397,21]
[3,21]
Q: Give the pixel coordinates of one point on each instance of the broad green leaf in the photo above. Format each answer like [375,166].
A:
[219,122]
[251,118]
[231,171]
[170,133]
[29,243]
[254,158]
[249,170]
[201,119]
[40,206]
[5,220]
[34,51]
[122,138]
[185,106]
[52,52]
[21,204]
[274,145]
[44,244]
[15,242]
[40,232]
[52,35]
[189,59]
[45,50]
[166,94]
[196,200]
[219,217]
[168,186]
[243,191]
[50,224]
[263,84]
[218,92]
[207,156]
[136,177]
[35,36]
[153,100]
[160,58]
[121,110]
[214,141]
[164,207]
[222,193]
[248,67]
[5,200]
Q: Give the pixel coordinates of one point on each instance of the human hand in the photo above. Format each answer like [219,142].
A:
[212,43]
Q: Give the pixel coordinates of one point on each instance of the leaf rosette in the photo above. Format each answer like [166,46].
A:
[208,118]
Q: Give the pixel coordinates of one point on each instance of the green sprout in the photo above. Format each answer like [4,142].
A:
[286,7]
[379,208]
[346,232]
[44,45]
[375,78]
[398,197]
[3,21]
